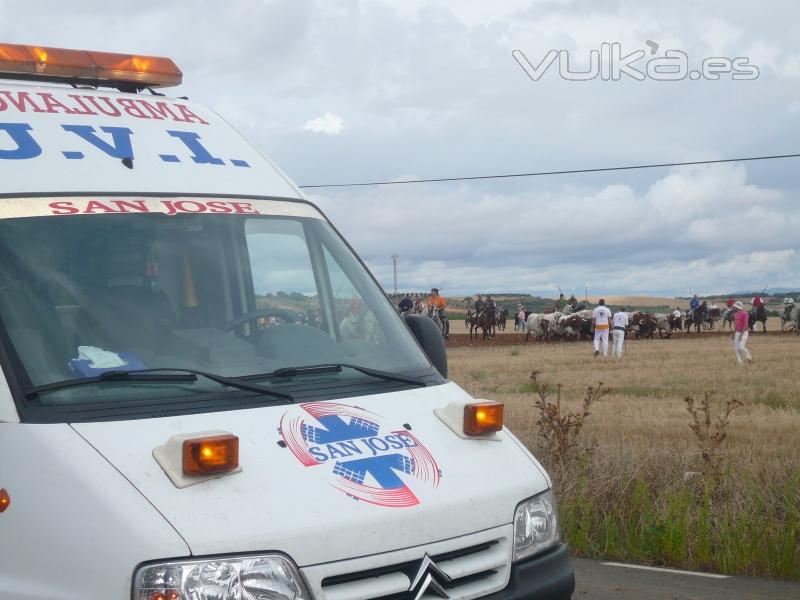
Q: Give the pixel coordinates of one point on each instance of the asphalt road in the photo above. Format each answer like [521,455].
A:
[602,581]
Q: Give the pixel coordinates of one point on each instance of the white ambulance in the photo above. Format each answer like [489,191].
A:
[204,393]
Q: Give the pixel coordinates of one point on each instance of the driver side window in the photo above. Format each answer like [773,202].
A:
[283,279]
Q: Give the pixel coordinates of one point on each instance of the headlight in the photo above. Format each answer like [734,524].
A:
[267,577]
[535,526]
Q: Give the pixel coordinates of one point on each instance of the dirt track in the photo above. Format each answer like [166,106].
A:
[461,340]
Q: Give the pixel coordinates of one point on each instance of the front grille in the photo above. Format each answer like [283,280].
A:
[477,565]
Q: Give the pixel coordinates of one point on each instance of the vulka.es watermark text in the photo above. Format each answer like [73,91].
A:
[610,64]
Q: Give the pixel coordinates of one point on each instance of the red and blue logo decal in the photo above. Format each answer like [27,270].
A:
[367,461]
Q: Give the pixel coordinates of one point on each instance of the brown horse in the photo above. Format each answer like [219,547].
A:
[502,318]
[485,321]
[758,315]
[696,318]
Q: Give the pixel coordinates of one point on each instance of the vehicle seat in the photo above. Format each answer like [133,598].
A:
[128,318]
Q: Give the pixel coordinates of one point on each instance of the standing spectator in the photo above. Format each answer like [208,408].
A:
[620,323]
[601,320]
[522,321]
[741,320]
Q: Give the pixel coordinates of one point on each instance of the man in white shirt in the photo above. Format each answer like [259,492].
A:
[620,323]
[601,322]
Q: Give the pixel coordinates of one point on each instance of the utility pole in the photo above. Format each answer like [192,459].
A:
[394,268]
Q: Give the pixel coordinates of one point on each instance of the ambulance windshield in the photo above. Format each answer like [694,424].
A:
[231,294]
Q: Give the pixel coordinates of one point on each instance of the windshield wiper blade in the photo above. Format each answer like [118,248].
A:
[337,367]
[162,374]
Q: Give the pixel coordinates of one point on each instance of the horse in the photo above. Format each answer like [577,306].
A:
[795,315]
[786,315]
[727,319]
[484,320]
[433,313]
[714,315]
[502,318]
[759,314]
[674,322]
[696,318]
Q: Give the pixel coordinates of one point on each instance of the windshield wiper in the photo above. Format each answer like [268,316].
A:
[337,368]
[157,375]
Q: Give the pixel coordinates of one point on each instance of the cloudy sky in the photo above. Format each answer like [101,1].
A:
[352,91]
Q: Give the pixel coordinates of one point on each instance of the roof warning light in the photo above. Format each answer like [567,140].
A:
[126,72]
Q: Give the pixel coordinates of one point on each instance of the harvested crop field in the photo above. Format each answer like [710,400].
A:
[635,485]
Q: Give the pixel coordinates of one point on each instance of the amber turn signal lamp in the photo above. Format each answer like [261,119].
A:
[486,417]
[5,500]
[209,455]
[168,595]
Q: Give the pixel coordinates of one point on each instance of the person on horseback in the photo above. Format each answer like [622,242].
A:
[441,305]
[788,305]
[730,302]
[480,305]
[573,303]
[677,312]
[561,303]
[694,304]
[757,303]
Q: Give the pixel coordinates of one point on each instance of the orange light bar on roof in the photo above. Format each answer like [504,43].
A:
[124,71]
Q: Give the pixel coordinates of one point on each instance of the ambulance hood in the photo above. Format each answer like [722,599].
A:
[330,480]
[55,139]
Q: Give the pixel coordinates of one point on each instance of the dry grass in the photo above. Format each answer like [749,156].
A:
[644,417]
[642,454]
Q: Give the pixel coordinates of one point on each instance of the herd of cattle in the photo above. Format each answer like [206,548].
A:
[578,325]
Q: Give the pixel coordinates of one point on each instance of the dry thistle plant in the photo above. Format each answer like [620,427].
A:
[560,431]
[710,431]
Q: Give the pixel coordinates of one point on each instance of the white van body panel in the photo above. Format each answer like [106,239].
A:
[50,130]
[276,503]
[70,508]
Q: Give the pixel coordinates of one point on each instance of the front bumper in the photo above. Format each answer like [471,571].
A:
[545,577]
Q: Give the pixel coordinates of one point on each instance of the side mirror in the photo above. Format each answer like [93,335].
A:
[430,338]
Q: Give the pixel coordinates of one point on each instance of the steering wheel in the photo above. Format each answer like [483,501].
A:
[259,313]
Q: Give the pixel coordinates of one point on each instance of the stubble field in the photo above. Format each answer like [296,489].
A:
[635,486]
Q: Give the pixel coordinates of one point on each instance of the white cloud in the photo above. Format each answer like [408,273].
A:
[327,123]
